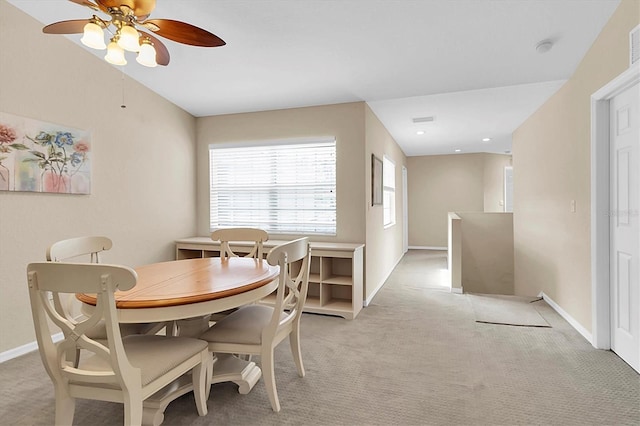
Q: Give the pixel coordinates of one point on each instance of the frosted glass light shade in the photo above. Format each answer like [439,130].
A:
[129,39]
[147,55]
[93,36]
[115,54]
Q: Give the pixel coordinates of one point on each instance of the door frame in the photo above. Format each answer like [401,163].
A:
[600,188]
[405,211]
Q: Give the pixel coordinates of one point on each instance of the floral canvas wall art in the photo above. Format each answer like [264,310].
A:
[37,156]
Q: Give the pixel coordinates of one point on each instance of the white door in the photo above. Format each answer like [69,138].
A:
[625,228]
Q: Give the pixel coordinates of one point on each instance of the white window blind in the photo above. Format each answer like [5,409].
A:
[389,191]
[285,188]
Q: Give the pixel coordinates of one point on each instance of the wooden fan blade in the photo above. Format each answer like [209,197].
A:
[186,33]
[88,4]
[140,7]
[162,53]
[66,27]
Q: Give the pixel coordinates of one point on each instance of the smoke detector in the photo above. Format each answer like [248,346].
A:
[544,46]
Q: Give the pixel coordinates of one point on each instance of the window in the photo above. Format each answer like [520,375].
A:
[389,191]
[283,188]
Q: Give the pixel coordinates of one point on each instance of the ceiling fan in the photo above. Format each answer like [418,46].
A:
[126,19]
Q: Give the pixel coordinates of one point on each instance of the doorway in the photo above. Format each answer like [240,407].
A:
[405,211]
[508,189]
[615,234]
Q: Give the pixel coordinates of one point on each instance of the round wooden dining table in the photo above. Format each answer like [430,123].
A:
[185,292]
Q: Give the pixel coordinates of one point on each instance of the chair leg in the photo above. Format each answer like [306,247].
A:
[294,341]
[268,372]
[199,376]
[65,406]
[209,374]
[132,409]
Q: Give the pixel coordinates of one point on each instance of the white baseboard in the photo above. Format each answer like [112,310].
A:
[427,248]
[456,290]
[25,349]
[575,324]
[368,300]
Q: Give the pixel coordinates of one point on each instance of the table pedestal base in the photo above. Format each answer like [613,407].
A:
[229,368]
[154,406]
[226,368]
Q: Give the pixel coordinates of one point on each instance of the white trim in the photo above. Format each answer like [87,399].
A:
[368,300]
[265,142]
[405,211]
[575,324]
[427,248]
[600,309]
[456,290]
[25,349]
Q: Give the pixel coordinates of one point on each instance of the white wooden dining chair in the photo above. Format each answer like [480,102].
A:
[72,248]
[126,370]
[231,240]
[89,248]
[228,236]
[258,329]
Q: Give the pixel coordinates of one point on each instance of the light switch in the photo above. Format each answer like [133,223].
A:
[573,206]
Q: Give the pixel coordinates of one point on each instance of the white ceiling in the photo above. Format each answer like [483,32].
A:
[471,64]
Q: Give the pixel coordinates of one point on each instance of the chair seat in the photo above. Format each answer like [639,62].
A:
[153,355]
[99,332]
[243,326]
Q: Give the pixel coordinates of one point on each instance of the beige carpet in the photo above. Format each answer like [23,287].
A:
[415,356]
[506,310]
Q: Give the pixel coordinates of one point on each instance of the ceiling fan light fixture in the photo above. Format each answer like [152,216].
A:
[115,54]
[127,24]
[93,36]
[128,38]
[147,55]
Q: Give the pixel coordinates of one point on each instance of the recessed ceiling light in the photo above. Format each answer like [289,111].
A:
[457,150]
[420,132]
[486,139]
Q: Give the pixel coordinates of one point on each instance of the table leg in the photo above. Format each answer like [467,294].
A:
[226,368]
[154,406]
[229,368]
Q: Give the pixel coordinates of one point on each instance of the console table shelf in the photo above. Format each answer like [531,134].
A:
[335,280]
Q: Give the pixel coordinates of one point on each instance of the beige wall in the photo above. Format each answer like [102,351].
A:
[383,245]
[344,121]
[551,164]
[439,184]
[487,252]
[358,133]
[143,163]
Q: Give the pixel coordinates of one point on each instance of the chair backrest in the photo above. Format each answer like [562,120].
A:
[48,281]
[74,247]
[240,235]
[294,260]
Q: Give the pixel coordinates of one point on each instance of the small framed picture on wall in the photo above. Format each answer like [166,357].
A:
[376,181]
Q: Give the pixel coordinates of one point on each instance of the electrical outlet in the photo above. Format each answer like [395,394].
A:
[573,206]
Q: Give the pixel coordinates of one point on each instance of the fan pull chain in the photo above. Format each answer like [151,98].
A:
[123,105]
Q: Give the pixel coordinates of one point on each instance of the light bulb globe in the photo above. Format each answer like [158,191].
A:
[115,54]
[128,38]
[93,36]
[147,55]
